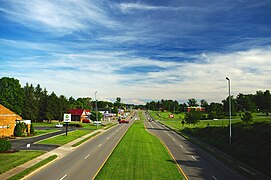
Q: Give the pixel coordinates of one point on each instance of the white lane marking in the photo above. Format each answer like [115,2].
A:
[87,156]
[173,139]
[100,145]
[181,146]
[214,177]
[63,177]
[194,158]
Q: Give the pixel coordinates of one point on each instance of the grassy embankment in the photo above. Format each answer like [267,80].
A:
[139,155]
[11,160]
[250,143]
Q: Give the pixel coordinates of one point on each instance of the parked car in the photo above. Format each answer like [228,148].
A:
[59,125]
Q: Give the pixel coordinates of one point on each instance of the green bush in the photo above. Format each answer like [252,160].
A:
[247,117]
[4,145]
[31,129]
[20,129]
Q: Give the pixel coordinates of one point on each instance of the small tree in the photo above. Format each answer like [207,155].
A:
[20,129]
[193,117]
[247,117]
[31,129]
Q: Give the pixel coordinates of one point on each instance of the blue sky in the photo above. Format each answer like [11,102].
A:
[138,50]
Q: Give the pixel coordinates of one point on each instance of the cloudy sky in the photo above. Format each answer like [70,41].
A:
[139,50]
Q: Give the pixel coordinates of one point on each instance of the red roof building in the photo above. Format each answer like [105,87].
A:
[80,114]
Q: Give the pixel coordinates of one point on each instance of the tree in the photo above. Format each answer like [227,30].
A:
[233,105]
[192,117]
[118,103]
[215,110]
[11,94]
[204,103]
[30,108]
[247,117]
[245,102]
[192,102]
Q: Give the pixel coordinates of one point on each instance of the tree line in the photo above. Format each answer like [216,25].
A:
[36,103]
[259,102]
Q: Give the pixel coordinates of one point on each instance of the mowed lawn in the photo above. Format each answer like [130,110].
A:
[12,160]
[63,139]
[139,155]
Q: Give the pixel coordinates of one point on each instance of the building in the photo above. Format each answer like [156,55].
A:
[201,109]
[7,121]
[80,115]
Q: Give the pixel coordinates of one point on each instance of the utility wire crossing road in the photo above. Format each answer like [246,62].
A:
[86,161]
[194,162]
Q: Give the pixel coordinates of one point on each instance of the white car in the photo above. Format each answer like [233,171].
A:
[59,125]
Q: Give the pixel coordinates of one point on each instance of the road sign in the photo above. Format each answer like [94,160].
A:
[67,118]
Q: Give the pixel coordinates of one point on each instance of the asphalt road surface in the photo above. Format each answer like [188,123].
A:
[195,163]
[20,144]
[85,161]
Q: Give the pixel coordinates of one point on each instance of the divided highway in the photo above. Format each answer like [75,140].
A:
[194,162]
[85,161]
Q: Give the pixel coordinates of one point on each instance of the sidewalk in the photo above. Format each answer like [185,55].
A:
[60,152]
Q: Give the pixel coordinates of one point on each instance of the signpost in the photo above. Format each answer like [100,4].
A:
[67,118]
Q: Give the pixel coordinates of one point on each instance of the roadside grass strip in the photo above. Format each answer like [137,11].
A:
[82,141]
[42,132]
[139,155]
[109,126]
[9,161]
[63,139]
[33,168]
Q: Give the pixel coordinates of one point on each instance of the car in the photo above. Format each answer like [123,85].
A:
[123,121]
[59,125]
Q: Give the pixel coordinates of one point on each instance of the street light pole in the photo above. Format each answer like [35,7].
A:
[96,110]
[229,82]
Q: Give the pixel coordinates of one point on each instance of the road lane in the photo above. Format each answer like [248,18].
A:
[85,161]
[195,163]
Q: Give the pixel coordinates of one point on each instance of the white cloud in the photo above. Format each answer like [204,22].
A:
[129,7]
[61,16]
[79,75]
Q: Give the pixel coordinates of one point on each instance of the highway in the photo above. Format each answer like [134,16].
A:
[85,161]
[194,162]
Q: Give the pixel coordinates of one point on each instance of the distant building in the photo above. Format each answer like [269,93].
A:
[201,109]
[7,121]
[80,114]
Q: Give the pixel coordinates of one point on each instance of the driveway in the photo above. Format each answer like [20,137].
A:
[21,143]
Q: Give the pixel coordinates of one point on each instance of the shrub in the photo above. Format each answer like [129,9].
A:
[247,117]
[20,129]
[4,145]
[31,129]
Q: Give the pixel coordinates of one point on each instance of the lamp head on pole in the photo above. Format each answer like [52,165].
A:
[227,78]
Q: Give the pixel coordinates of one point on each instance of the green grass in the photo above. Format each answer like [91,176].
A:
[33,168]
[63,139]
[139,155]
[80,142]
[41,132]
[11,160]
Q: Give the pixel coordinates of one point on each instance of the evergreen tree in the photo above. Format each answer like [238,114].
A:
[11,94]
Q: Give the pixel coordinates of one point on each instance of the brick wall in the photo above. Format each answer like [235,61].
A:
[7,121]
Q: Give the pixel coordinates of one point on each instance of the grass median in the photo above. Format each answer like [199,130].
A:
[139,155]
[9,161]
